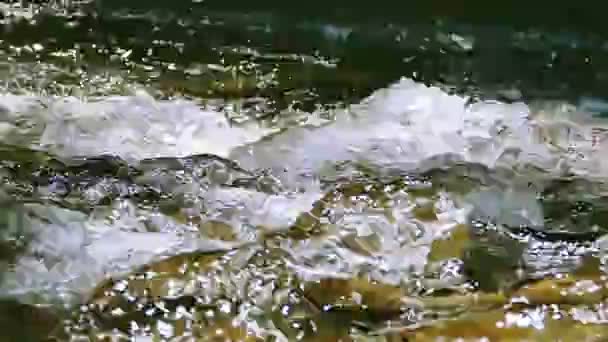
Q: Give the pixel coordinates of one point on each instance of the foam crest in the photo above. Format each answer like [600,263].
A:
[404,125]
[132,127]
[412,126]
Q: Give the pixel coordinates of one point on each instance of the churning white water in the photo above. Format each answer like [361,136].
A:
[407,126]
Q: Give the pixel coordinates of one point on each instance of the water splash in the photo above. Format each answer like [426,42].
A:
[408,127]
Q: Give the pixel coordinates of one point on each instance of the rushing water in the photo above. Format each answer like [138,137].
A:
[200,173]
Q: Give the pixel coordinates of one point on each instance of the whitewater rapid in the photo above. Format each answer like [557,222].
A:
[407,126]
[406,123]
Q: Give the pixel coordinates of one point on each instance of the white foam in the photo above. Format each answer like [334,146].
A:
[404,242]
[72,253]
[272,212]
[407,125]
[410,124]
[132,127]
[404,124]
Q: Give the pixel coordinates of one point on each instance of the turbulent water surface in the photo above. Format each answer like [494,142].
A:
[209,174]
